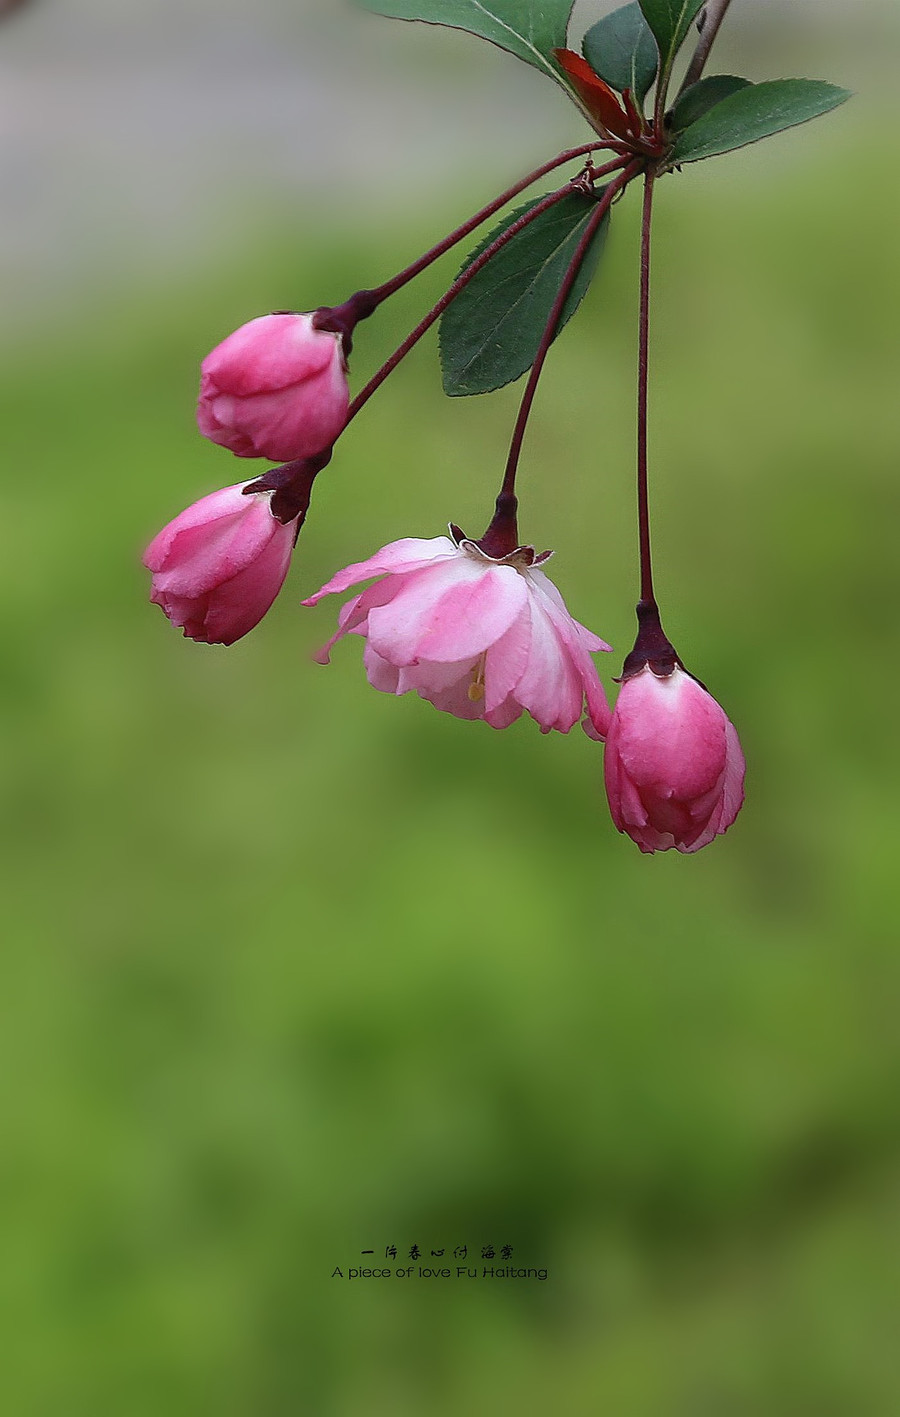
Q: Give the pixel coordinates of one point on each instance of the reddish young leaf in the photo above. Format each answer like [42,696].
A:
[634,113]
[597,96]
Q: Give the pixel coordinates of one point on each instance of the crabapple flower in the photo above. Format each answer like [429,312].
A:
[478,637]
[275,388]
[220,564]
[673,764]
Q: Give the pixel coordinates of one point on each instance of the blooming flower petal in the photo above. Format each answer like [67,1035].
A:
[505,713]
[506,661]
[579,644]
[380,674]
[550,592]
[477,637]
[428,677]
[353,617]
[472,615]
[446,612]
[550,687]
[410,554]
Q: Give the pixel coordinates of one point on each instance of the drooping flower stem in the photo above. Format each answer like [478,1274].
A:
[362,304]
[501,536]
[713,16]
[459,284]
[647,596]
[652,646]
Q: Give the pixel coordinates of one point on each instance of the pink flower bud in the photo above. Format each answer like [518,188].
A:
[276,388]
[220,564]
[674,768]
[479,637]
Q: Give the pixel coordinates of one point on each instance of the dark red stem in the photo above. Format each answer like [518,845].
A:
[501,536]
[344,318]
[651,646]
[643,372]
[459,284]
[390,287]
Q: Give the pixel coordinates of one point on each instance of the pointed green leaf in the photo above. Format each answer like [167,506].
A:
[530,29]
[670,21]
[491,332]
[701,97]
[755,112]
[622,50]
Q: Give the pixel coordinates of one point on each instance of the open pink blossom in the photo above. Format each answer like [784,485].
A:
[220,564]
[275,388]
[673,764]
[478,637]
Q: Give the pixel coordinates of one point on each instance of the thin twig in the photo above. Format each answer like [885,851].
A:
[502,536]
[459,284]
[714,14]
[363,303]
[390,287]
[554,318]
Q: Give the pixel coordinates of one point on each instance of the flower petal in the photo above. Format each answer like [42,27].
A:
[236,606]
[428,677]
[504,714]
[577,641]
[379,673]
[410,554]
[551,592]
[352,617]
[276,424]
[550,687]
[273,352]
[225,503]
[202,557]
[450,611]
[674,768]
[731,792]
[505,661]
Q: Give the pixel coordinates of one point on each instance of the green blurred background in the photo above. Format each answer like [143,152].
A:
[295,970]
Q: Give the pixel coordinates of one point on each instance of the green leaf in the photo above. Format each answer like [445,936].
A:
[622,50]
[530,29]
[491,332]
[701,97]
[755,112]
[670,21]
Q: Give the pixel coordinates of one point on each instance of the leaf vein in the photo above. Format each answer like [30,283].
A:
[539,271]
[526,40]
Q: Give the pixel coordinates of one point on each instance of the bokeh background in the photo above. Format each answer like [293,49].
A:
[294,970]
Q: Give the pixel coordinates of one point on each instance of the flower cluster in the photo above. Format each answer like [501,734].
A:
[474,625]
[477,628]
